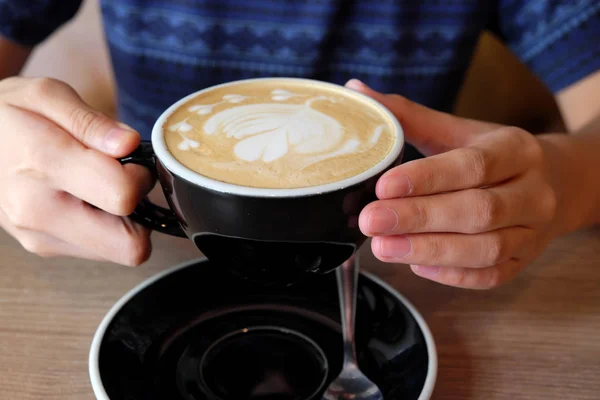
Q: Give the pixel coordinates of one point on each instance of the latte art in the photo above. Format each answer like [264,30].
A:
[278,135]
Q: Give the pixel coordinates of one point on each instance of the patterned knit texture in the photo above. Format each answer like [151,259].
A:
[164,50]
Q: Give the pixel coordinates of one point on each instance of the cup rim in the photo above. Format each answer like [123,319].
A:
[176,167]
[94,354]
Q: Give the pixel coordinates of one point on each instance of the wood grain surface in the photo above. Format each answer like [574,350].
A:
[535,338]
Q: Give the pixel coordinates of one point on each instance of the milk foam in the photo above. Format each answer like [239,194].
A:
[186,143]
[270,131]
[282,135]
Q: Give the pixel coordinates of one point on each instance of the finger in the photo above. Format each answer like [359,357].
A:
[43,244]
[455,250]
[61,104]
[73,221]
[428,130]
[471,278]
[502,154]
[118,239]
[69,166]
[114,188]
[522,202]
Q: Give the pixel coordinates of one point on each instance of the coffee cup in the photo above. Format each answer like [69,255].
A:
[268,176]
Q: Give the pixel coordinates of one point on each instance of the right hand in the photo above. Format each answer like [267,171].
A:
[62,190]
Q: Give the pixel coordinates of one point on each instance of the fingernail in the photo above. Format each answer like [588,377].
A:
[125,126]
[382,220]
[355,83]
[426,271]
[395,186]
[395,247]
[115,138]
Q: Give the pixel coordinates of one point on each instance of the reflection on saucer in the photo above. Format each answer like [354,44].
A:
[274,382]
[260,362]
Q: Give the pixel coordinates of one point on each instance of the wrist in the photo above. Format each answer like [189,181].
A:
[573,167]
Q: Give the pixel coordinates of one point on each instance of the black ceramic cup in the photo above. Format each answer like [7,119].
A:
[270,235]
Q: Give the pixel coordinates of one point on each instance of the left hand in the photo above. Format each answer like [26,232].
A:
[472,214]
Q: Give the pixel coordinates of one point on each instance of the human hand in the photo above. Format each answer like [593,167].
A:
[62,191]
[472,214]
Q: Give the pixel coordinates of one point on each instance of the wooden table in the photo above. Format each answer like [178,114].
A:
[536,338]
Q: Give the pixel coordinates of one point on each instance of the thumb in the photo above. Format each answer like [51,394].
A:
[430,131]
[60,103]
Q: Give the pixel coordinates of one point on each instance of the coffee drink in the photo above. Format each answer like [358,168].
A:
[268,176]
[280,133]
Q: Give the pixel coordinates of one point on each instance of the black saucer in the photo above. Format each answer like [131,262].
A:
[194,333]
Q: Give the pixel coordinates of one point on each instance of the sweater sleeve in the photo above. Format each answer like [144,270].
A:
[559,40]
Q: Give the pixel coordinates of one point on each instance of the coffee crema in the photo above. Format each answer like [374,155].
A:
[278,133]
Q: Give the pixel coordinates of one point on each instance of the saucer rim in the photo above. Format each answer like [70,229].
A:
[94,352]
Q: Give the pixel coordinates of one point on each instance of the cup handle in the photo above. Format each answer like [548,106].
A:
[146,213]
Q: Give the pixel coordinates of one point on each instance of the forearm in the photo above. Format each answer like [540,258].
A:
[573,162]
[12,58]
